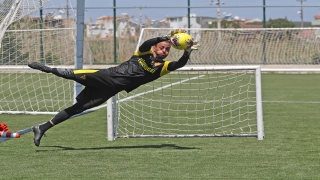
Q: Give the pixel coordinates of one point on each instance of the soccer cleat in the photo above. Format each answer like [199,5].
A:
[37,134]
[41,67]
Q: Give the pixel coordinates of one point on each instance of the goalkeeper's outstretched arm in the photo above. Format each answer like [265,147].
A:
[185,57]
[146,46]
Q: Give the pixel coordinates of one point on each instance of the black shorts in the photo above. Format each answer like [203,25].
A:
[89,97]
[97,79]
[98,87]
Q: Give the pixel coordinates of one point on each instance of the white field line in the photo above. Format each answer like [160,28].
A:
[284,102]
[293,102]
[131,97]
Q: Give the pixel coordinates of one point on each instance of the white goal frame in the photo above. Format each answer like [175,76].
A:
[60,39]
[112,110]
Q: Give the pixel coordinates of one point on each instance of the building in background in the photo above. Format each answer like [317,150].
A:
[252,23]
[157,24]
[195,21]
[51,20]
[243,22]
[316,21]
[103,27]
[306,24]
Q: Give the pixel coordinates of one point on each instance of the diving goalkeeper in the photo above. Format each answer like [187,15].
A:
[146,65]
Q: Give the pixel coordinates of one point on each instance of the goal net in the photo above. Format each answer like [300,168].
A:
[191,102]
[41,31]
[293,47]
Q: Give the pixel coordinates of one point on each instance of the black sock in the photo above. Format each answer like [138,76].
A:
[44,127]
[61,116]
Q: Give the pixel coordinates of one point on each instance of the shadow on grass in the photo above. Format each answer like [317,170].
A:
[165,146]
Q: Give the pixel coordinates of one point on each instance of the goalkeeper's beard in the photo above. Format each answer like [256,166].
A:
[160,57]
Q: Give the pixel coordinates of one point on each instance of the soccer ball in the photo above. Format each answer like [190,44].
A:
[181,41]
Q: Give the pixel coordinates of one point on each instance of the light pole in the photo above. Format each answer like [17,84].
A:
[301,11]
[42,60]
[140,19]
[264,37]
[218,3]
[264,13]
[189,14]
[67,9]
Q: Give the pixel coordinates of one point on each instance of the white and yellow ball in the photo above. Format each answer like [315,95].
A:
[181,41]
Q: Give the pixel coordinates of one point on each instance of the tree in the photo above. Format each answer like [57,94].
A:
[225,24]
[279,23]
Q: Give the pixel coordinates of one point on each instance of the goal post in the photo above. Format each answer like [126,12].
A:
[193,101]
[45,31]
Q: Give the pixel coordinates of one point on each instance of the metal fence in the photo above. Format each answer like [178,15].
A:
[102,47]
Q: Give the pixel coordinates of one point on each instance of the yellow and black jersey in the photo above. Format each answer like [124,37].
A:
[141,69]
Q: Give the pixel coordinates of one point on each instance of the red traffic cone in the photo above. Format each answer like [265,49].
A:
[4,132]
[4,127]
[9,134]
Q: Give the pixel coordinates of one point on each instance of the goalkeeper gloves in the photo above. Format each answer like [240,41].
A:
[193,46]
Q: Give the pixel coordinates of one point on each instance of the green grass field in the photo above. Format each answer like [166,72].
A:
[78,148]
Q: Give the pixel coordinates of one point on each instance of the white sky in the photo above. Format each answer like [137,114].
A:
[242,12]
